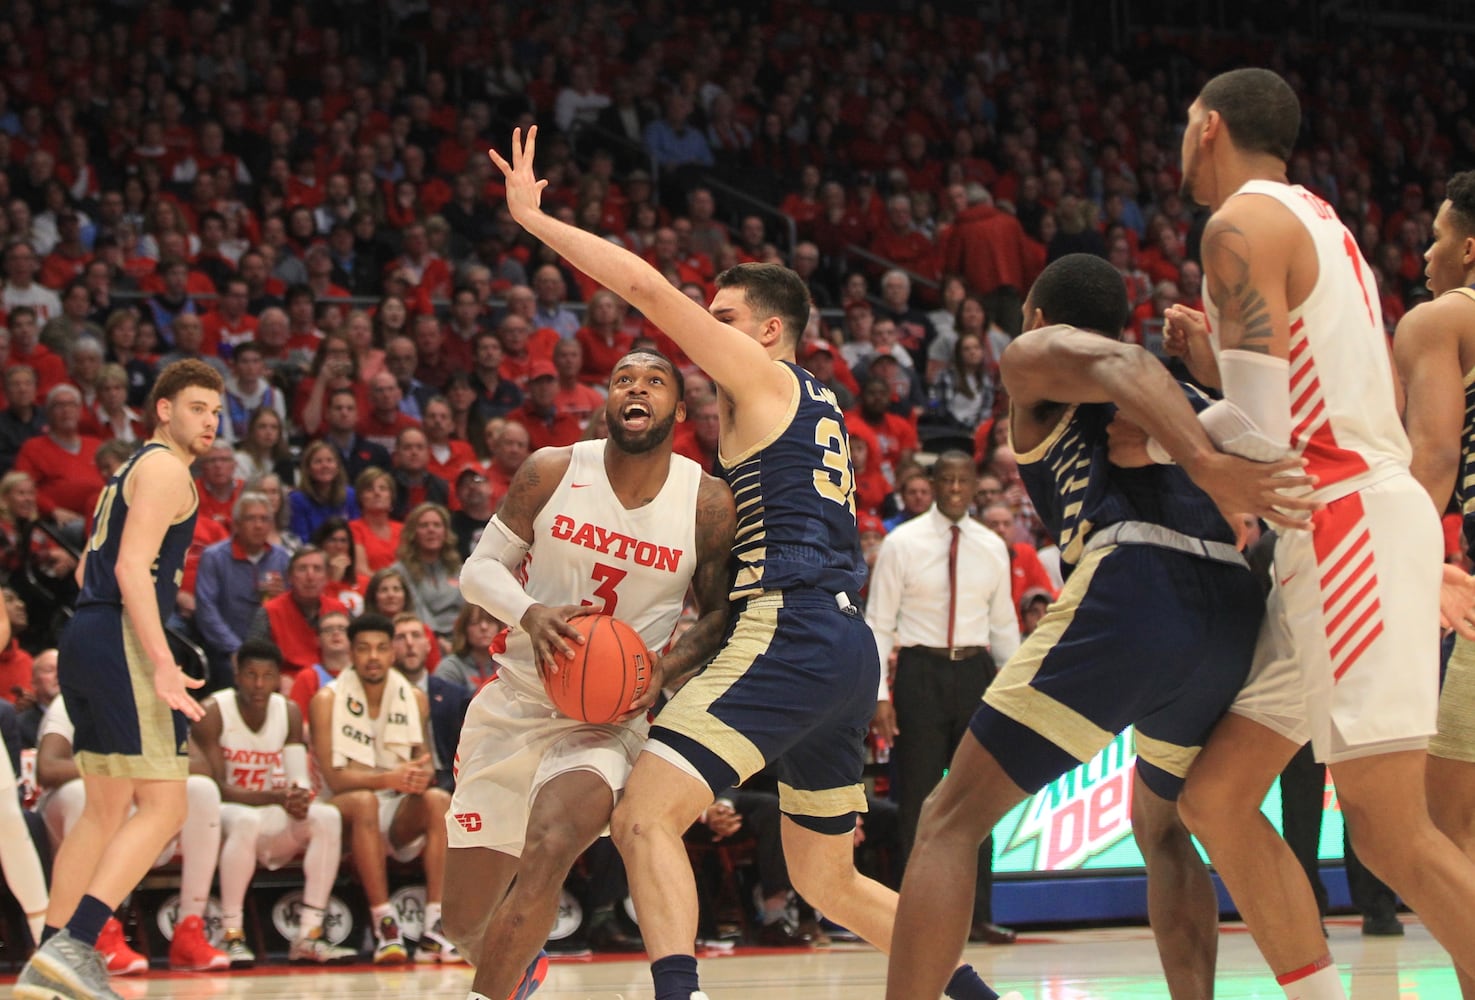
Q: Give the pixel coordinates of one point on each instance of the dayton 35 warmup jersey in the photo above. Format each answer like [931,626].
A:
[253,760]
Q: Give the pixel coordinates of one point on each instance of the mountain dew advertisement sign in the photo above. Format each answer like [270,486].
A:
[1082,821]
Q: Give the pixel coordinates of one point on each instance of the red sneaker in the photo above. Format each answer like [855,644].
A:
[121,960]
[191,951]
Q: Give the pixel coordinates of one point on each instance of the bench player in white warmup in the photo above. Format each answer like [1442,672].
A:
[534,788]
[267,815]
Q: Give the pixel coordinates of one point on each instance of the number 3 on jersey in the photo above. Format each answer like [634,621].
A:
[835,482]
[608,578]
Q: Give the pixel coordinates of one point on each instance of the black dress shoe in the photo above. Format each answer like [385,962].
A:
[992,934]
[783,935]
[1382,925]
[609,936]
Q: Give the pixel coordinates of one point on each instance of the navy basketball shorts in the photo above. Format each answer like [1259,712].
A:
[1141,635]
[794,686]
[123,728]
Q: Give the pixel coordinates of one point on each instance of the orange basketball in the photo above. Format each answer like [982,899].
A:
[609,671]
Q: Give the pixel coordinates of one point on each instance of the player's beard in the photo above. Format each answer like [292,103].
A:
[638,443]
[1185,187]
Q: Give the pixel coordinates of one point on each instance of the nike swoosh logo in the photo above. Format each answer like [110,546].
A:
[577,486]
[1288,579]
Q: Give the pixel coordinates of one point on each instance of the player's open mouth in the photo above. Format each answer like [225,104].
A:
[636,416]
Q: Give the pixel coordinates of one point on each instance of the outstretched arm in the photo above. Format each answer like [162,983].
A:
[1064,365]
[733,360]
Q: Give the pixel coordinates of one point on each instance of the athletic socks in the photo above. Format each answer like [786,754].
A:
[675,977]
[309,919]
[87,920]
[968,985]
[381,911]
[1317,981]
[432,915]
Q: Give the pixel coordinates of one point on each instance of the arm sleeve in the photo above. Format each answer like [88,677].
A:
[487,577]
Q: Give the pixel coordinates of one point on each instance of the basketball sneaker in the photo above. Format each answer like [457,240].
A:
[121,960]
[533,978]
[315,947]
[390,947]
[191,951]
[64,967]
[241,957]
[434,946]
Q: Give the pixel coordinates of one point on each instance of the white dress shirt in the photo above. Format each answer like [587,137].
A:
[907,602]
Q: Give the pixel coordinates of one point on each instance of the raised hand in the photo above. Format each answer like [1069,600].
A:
[524,191]
[1186,336]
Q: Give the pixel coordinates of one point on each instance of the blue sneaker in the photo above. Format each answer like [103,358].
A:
[533,978]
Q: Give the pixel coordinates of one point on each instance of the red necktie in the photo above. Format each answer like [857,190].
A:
[952,583]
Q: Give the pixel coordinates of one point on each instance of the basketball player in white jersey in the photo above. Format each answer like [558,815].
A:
[622,527]
[244,738]
[1348,658]
[1434,349]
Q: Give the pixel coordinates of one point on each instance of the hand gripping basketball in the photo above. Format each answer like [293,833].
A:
[604,674]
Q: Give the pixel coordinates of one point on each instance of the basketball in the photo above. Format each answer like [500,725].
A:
[609,671]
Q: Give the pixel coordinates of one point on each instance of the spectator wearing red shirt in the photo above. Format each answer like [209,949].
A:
[25,349]
[384,420]
[521,348]
[665,256]
[425,271]
[217,484]
[603,336]
[700,444]
[60,462]
[574,398]
[459,334]
[291,619]
[448,456]
[894,434]
[69,257]
[546,426]
[434,363]
[375,533]
[509,451]
[989,249]
[334,656]
[229,325]
[901,242]
[838,224]
[1026,572]
[110,418]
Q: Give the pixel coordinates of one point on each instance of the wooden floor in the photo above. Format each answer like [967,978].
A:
[1116,964]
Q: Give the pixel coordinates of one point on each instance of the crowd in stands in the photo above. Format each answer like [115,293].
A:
[299,194]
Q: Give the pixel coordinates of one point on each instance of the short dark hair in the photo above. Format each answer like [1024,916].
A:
[1461,194]
[1083,290]
[182,375]
[675,372]
[953,456]
[261,650]
[370,621]
[1260,109]
[771,290]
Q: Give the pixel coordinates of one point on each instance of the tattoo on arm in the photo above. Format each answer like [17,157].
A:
[1244,317]
[525,497]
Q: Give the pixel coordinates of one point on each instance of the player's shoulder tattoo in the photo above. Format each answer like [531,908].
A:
[1244,315]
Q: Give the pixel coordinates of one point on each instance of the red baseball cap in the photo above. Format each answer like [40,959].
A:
[541,369]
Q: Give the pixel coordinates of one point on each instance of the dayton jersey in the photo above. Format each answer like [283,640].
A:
[795,497]
[589,549]
[100,577]
[1344,420]
[253,760]
[1076,489]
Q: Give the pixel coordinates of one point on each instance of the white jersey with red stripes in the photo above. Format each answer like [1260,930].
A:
[1344,419]
[253,758]
[588,548]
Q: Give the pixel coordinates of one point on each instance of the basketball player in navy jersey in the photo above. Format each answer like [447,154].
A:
[130,701]
[1130,539]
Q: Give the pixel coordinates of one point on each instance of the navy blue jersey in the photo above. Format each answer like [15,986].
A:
[1076,489]
[795,496]
[100,577]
